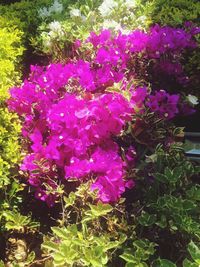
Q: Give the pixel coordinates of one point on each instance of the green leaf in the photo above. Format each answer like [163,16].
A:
[100,209]
[197,169]
[70,200]
[59,260]
[72,229]
[162,222]
[177,173]
[168,173]
[147,219]
[145,245]
[31,257]
[111,245]
[122,238]
[189,205]
[95,263]
[60,232]
[161,177]
[138,264]
[130,264]
[163,263]
[104,258]
[187,263]
[98,250]
[194,193]
[194,251]
[51,246]
[128,257]
[68,250]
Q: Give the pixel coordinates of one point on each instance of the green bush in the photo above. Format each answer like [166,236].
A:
[11,51]
[9,146]
[23,14]
[11,219]
[170,202]
[93,239]
[157,228]
[175,12]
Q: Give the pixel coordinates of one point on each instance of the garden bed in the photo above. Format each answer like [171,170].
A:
[99,133]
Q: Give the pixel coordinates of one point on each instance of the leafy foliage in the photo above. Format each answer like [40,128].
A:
[139,254]
[89,242]
[10,52]
[175,12]
[95,126]
[195,255]
[171,202]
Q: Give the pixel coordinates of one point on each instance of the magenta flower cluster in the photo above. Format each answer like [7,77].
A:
[164,104]
[70,118]
[71,134]
[163,46]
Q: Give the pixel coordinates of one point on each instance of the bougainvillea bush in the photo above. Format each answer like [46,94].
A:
[62,25]
[103,179]
[72,112]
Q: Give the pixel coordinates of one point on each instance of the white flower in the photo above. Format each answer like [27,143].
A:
[106,7]
[44,12]
[142,19]
[193,99]
[111,24]
[75,13]
[83,18]
[55,26]
[55,29]
[57,7]
[125,31]
[130,3]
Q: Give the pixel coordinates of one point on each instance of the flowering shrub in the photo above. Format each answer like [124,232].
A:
[57,34]
[161,49]
[71,135]
[23,15]
[155,56]
[98,142]
[79,19]
[86,16]
[102,162]
[71,115]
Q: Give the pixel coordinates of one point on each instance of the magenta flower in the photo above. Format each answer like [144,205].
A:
[164,104]
[138,96]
